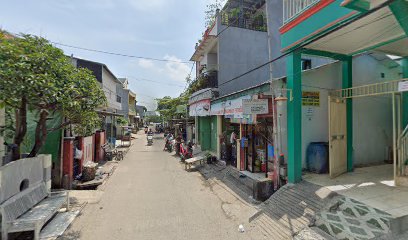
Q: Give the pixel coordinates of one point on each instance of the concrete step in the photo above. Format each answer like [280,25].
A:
[261,189]
[291,209]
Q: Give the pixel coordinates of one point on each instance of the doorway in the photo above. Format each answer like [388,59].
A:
[376,119]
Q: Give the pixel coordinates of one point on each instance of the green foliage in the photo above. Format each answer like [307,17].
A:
[235,12]
[121,121]
[211,11]
[167,106]
[32,70]
[155,119]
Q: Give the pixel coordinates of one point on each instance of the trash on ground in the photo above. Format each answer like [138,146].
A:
[241,228]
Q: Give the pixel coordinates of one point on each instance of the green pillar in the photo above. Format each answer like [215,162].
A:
[400,10]
[294,118]
[405,95]
[347,75]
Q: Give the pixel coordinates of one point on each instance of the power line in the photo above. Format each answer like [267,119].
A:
[146,95]
[154,81]
[189,76]
[119,54]
[300,47]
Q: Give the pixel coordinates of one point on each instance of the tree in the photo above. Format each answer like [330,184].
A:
[36,76]
[167,106]
[211,11]
[155,119]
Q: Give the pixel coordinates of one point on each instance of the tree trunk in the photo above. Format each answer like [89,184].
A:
[21,128]
[40,133]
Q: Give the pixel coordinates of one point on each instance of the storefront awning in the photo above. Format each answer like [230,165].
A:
[105,113]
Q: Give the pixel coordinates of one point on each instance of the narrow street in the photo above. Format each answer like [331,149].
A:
[151,196]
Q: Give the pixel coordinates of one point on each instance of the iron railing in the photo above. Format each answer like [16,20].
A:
[211,79]
[374,89]
[293,8]
[255,22]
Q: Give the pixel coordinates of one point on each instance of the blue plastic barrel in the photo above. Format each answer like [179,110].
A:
[317,157]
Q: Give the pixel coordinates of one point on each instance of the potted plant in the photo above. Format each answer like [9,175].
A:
[235,12]
[208,156]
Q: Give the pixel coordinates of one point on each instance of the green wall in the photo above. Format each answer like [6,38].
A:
[52,144]
[204,131]
[315,22]
[214,133]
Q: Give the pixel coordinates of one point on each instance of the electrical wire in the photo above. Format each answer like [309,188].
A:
[119,54]
[154,81]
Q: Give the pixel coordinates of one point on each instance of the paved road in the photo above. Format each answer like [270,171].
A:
[150,196]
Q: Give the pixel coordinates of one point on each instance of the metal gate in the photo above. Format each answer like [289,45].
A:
[338,126]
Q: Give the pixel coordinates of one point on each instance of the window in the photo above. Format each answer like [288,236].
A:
[118,99]
[306,64]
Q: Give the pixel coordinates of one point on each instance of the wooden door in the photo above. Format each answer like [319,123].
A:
[337,136]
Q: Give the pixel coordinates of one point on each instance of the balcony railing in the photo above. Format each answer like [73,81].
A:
[293,8]
[211,79]
[248,21]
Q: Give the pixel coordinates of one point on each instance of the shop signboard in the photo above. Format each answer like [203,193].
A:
[200,108]
[311,99]
[218,109]
[255,106]
[403,86]
[233,108]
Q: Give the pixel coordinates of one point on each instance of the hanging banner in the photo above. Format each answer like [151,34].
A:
[233,108]
[200,109]
[255,106]
[218,109]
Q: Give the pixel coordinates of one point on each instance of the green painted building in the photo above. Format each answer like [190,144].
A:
[341,30]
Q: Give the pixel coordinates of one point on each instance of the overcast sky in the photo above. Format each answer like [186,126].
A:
[163,29]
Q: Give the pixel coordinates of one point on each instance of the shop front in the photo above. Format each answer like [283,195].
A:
[247,127]
[257,135]
[199,108]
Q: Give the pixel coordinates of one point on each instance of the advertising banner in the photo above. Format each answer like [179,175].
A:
[218,109]
[200,109]
[233,108]
[255,106]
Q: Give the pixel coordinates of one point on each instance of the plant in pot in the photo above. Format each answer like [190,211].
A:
[208,157]
[258,164]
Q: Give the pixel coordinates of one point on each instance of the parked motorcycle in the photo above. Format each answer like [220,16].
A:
[169,145]
[186,152]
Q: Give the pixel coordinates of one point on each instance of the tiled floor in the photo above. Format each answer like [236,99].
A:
[373,186]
